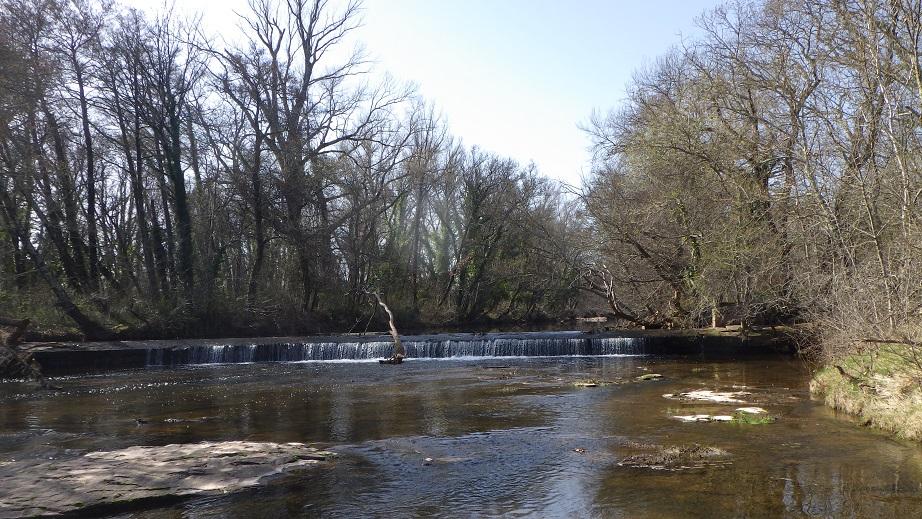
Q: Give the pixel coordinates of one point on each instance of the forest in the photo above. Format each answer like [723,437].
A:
[771,168]
[160,182]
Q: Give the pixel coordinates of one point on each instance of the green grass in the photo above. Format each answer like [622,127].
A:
[881,388]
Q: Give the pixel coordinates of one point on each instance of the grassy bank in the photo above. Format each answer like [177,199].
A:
[883,389]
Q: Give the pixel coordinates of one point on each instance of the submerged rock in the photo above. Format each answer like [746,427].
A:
[704,418]
[752,418]
[678,458]
[743,415]
[727,397]
[650,376]
[201,419]
[694,418]
[131,477]
[588,383]
[751,410]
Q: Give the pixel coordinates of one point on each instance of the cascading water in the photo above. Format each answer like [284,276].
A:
[524,345]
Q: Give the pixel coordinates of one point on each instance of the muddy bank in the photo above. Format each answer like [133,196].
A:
[82,357]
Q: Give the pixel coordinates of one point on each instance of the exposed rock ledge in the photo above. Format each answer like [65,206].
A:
[130,477]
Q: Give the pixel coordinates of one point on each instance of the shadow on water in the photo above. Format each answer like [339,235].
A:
[488,437]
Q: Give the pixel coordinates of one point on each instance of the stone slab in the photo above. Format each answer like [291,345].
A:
[135,475]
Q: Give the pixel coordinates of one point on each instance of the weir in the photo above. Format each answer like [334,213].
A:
[426,348]
[72,358]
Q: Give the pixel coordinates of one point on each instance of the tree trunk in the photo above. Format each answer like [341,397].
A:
[90,180]
[55,215]
[68,193]
[90,328]
[181,207]
[257,218]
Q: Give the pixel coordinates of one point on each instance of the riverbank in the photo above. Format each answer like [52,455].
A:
[881,389]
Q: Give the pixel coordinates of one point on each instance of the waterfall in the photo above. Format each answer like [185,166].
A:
[431,347]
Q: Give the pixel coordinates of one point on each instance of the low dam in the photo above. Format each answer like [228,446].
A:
[64,358]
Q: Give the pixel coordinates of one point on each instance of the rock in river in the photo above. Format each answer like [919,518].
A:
[130,477]
[728,397]
[678,458]
[704,418]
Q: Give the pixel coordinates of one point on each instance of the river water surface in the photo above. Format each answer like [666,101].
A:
[487,437]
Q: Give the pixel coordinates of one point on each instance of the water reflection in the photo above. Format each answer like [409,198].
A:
[515,440]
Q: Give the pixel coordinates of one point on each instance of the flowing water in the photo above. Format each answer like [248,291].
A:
[442,346]
[510,437]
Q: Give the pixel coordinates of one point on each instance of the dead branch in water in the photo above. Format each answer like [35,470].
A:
[399,352]
[13,363]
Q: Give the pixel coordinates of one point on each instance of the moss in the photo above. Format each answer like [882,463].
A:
[883,391]
[753,419]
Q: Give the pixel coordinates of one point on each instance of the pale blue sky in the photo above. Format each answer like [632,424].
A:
[512,76]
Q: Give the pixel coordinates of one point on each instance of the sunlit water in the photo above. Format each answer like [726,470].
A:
[501,433]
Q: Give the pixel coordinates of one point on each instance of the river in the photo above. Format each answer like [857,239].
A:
[481,437]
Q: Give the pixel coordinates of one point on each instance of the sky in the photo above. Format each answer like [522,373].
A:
[515,77]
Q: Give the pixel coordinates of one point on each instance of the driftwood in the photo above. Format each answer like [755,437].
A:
[399,352]
[19,329]
[14,364]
